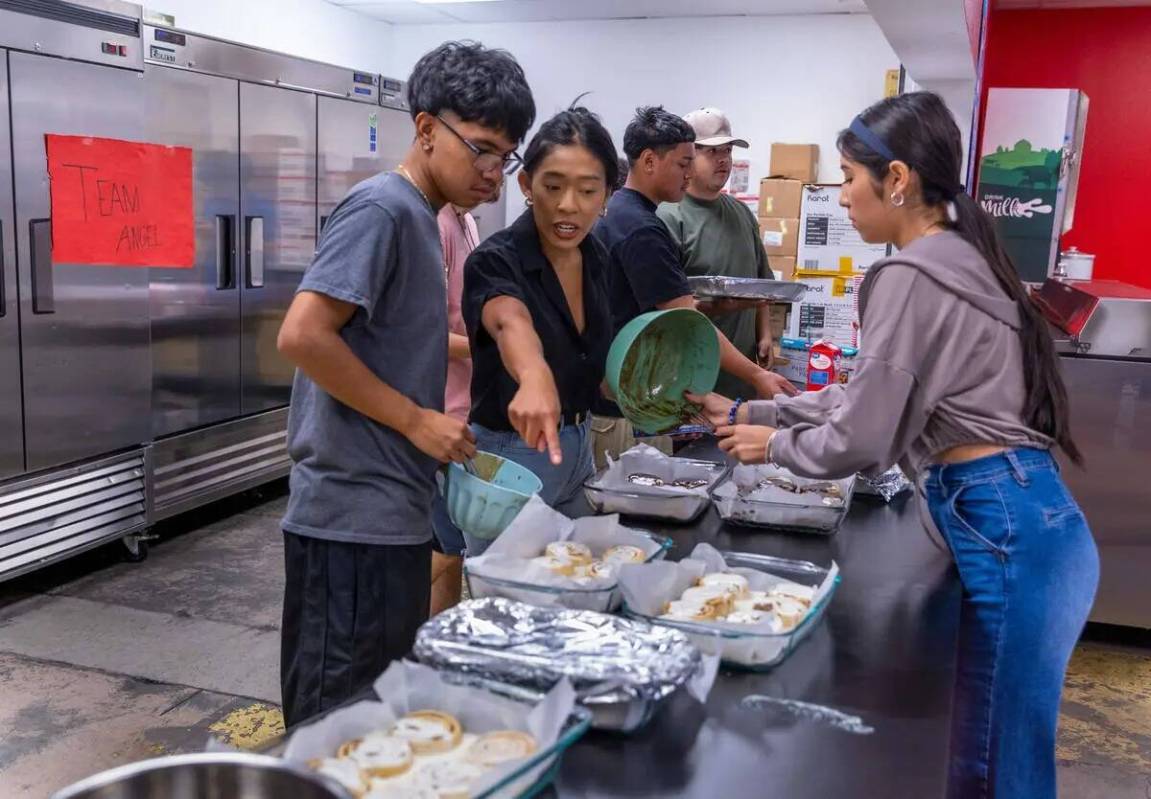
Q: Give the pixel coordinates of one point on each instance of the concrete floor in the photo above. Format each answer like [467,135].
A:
[104,662]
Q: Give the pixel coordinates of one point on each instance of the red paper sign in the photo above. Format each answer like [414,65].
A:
[120,203]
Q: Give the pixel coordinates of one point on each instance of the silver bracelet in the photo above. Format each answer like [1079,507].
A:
[767,450]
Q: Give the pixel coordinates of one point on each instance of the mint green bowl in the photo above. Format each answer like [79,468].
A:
[654,359]
[483,505]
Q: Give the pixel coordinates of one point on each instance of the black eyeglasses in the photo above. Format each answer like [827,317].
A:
[486,160]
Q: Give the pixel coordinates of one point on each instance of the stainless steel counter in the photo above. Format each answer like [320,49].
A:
[1111,421]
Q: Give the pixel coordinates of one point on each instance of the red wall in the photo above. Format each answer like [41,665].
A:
[1106,52]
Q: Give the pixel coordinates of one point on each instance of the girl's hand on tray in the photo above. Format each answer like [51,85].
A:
[747,443]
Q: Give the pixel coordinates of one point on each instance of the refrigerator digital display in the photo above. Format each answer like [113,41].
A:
[171,37]
[360,77]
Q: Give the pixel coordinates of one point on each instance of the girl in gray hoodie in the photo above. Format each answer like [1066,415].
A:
[957,381]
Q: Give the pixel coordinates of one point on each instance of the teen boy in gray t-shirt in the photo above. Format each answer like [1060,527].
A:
[368,333]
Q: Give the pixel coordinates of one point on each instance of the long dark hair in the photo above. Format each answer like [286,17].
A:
[919,130]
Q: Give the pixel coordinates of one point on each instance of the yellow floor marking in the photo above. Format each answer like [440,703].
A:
[250,727]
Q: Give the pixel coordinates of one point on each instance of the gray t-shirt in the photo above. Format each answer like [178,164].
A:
[353,479]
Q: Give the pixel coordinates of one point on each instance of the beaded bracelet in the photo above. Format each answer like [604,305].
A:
[734,411]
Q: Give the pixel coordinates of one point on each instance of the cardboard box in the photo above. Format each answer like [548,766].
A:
[827,241]
[779,312]
[780,236]
[829,310]
[791,361]
[792,356]
[779,198]
[783,266]
[795,161]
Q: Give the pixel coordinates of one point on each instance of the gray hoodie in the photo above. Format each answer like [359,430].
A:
[940,366]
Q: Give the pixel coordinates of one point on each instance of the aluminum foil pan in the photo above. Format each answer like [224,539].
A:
[886,486]
[621,668]
[746,288]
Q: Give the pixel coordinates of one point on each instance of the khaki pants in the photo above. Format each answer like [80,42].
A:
[612,436]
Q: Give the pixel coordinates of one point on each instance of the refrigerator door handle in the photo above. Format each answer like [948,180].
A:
[3,304]
[43,294]
[225,251]
[255,259]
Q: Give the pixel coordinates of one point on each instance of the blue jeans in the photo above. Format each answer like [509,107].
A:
[563,484]
[449,539]
[1029,569]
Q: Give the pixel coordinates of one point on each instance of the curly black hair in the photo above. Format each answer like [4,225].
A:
[479,84]
[653,128]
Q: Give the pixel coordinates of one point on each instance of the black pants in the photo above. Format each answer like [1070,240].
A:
[349,611]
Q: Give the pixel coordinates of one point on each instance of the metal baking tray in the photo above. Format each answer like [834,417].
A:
[782,511]
[746,288]
[651,502]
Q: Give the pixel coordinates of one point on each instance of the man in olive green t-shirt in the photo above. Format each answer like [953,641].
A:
[719,235]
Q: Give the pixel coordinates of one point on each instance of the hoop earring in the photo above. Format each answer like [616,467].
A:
[528,202]
[604,211]
[897,199]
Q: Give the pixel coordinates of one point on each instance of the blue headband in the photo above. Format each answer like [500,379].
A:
[871,139]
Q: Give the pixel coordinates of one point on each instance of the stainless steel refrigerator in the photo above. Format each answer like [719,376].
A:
[129,394]
[74,338]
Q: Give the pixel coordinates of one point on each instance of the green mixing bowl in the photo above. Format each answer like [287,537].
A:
[656,358]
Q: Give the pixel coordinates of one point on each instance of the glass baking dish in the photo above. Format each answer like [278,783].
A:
[743,508]
[536,773]
[603,600]
[755,651]
[540,770]
[651,502]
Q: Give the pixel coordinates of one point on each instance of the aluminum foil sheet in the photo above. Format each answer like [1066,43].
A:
[534,647]
[886,486]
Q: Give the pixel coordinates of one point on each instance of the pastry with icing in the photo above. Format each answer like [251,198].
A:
[557,566]
[429,731]
[804,594]
[790,612]
[501,746]
[745,617]
[378,754]
[624,553]
[736,584]
[755,600]
[687,610]
[449,779]
[344,771]
[571,551]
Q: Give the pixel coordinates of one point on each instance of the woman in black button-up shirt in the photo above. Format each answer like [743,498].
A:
[537,313]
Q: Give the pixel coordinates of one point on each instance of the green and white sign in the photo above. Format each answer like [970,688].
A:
[1031,140]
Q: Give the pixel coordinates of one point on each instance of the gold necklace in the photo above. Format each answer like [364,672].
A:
[403,172]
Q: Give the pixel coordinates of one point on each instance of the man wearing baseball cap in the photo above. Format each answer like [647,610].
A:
[719,235]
